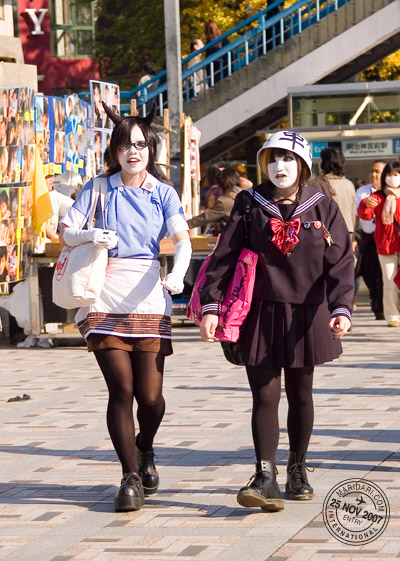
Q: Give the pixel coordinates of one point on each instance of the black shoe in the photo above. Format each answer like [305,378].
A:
[130,495]
[379,315]
[297,486]
[262,489]
[147,470]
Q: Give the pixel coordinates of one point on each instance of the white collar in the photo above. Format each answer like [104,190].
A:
[148,184]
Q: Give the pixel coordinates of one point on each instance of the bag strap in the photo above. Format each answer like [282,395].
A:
[247,216]
[99,189]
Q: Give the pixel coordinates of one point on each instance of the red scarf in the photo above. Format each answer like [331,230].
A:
[285,234]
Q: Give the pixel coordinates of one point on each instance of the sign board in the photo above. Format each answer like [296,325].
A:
[371,148]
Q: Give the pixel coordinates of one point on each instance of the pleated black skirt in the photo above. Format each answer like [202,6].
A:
[279,335]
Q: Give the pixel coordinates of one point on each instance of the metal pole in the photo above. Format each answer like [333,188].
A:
[174,68]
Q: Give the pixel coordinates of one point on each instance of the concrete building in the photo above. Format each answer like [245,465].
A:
[13,70]
[57,36]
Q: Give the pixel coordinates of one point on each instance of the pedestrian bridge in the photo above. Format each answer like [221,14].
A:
[243,86]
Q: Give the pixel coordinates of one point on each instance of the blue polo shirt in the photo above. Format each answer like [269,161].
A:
[141,216]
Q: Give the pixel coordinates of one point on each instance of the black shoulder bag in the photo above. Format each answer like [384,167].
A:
[231,350]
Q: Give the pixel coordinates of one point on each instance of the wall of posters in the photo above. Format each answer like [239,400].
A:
[78,134]
[64,133]
[68,139]
[17,154]
[16,134]
[50,130]
[16,233]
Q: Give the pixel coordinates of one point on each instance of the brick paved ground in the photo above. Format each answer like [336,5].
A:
[59,472]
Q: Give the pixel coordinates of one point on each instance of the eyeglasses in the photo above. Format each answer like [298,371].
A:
[139,145]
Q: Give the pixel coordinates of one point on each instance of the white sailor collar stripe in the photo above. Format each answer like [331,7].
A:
[274,209]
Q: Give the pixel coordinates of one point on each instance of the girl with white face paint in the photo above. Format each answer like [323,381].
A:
[283,171]
[129,327]
[300,308]
[384,205]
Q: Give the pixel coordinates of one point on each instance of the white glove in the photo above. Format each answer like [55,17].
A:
[74,237]
[173,282]
[105,238]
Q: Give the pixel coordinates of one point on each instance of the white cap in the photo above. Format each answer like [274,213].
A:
[288,140]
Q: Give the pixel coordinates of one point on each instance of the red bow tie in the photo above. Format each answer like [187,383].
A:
[285,234]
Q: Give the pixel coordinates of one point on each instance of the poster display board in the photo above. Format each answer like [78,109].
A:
[78,134]
[102,126]
[64,134]
[16,135]
[17,155]
[16,233]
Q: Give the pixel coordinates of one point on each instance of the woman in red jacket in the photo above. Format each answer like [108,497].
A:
[384,205]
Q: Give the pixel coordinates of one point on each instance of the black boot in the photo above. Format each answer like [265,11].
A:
[262,489]
[297,486]
[147,470]
[130,495]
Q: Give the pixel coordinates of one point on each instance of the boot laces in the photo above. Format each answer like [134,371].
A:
[258,477]
[146,460]
[297,471]
[131,479]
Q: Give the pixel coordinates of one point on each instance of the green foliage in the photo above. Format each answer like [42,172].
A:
[127,35]
[226,14]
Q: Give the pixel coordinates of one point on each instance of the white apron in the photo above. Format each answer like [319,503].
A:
[133,302]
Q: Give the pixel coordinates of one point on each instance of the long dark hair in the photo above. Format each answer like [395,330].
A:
[121,136]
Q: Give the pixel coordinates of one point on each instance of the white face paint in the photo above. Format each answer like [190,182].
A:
[283,170]
[132,160]
[393,180]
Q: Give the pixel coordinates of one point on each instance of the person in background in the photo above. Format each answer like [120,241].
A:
[61,204]
[340,188]
[196,45]
[228,180]
[129,326]
[368,266]
[213,191]
[220,65]
[51,313]
[384,205]
[301,306]
[149,71]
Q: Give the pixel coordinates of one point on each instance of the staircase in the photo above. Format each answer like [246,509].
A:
[244,86]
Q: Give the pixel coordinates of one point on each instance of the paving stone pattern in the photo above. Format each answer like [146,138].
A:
[59,472]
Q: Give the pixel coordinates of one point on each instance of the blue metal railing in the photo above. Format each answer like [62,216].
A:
[253,38]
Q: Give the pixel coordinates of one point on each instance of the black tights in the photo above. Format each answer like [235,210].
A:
[130,375]
[265,385]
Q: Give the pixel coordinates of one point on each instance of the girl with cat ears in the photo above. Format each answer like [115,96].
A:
[121,137]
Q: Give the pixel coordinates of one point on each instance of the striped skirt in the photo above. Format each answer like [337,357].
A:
[133,302]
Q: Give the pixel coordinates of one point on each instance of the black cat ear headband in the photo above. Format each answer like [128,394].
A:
[117,119]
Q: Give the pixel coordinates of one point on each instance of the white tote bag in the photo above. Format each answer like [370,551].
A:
[80,271]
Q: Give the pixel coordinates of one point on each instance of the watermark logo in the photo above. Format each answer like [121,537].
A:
[356,511]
